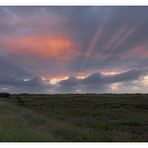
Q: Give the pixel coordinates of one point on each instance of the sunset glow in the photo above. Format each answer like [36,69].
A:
[58,48]
[54,80]
[112,72]
[115,87]
[145,80]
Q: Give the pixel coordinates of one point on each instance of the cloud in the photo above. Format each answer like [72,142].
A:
[8,69]
[51,41]
[32,85]
[140,51]
[125,76]
[58,48]
[97,82]
[16,77]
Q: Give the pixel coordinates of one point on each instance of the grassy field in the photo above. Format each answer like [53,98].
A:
[74,118]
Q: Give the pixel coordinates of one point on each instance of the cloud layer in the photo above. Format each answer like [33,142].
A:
[73,49]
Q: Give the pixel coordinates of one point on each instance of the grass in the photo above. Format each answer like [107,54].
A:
[74,118]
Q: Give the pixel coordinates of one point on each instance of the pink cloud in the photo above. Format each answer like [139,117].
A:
[43,47]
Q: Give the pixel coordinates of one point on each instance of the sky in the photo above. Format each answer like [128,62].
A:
[74,49]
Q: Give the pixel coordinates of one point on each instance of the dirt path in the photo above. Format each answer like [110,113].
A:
[8,109]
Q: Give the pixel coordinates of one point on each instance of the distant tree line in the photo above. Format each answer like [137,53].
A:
[4,94]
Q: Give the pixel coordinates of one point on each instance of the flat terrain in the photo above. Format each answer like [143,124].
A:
[74,118]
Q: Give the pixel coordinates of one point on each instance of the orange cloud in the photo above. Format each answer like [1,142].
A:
[82,75]
[139,51]
[54,80]
[59,48]
[113,71]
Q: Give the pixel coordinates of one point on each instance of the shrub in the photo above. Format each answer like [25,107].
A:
[20,101]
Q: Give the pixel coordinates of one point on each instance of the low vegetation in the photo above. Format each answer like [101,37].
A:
[74,118]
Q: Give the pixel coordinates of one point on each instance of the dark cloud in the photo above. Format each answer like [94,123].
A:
[97,82]
[13,76]
[125,76]
[8,69]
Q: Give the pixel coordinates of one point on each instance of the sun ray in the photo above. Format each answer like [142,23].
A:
[96,38]
[130,30]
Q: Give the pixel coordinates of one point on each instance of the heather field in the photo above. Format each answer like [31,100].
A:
[74,118]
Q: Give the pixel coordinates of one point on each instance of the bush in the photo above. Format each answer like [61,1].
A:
[4,95]
[20,101]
